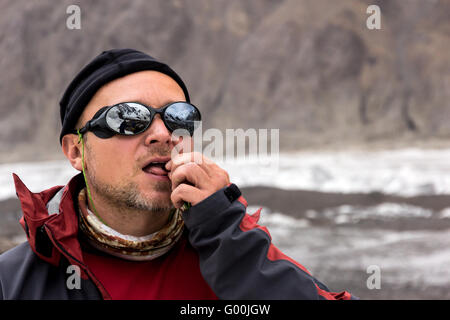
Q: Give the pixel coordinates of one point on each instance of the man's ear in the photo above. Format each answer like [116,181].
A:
[72,150]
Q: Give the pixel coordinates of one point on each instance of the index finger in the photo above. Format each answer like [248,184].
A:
[184,158]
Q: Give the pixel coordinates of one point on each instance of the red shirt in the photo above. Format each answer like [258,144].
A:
[173,276]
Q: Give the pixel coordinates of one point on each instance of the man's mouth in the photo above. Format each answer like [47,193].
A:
[157,167]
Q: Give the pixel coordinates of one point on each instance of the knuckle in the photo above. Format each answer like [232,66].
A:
[179,169]
[179,159]
[183,169]
[191,165]
[174,196]
[177,193]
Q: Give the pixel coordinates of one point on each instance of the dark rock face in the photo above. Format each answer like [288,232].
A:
[310,68]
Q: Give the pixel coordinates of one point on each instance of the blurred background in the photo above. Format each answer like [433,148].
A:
[363,118]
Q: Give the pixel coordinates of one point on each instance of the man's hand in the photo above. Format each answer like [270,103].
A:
[194,178]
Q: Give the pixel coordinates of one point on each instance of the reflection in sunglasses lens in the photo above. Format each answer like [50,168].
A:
[128,118]
[181,116]
[133,118]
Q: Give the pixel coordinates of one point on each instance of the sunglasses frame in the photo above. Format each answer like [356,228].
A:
[99,126]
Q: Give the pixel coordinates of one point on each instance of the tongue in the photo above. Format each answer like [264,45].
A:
[157,170]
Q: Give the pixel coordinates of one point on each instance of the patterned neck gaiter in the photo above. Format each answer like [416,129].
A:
[127,247]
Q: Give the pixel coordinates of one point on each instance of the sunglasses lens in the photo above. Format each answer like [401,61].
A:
[182,115]
[128,118]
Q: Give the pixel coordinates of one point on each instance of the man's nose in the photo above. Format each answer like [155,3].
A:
[158,132]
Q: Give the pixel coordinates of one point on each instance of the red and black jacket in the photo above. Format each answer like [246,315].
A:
[236,256]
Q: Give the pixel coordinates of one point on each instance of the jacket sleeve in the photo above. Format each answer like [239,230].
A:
[237,258]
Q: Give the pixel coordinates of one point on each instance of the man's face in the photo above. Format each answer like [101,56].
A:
[114,166]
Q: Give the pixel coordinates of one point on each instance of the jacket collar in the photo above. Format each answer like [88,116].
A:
[50,220]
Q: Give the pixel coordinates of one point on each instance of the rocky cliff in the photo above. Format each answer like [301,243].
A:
[308,67]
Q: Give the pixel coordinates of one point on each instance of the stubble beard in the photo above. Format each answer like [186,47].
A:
[128,196]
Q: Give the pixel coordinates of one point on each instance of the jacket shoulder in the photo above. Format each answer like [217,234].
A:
[11,259]
[12,263]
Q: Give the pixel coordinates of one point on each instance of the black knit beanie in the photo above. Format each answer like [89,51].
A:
[107,66]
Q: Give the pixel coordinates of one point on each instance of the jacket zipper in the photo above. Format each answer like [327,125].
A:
[69,257]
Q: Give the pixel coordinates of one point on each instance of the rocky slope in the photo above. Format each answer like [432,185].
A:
[308,67]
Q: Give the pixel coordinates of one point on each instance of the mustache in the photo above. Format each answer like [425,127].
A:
[157,151]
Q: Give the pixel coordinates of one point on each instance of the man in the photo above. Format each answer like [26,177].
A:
[124,223]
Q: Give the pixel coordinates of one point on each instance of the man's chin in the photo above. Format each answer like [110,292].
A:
[158,197]
[156,185]
[159,188]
